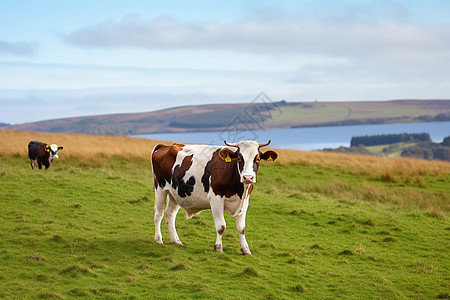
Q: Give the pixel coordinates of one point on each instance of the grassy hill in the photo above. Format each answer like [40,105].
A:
[257,115]
[320,225]
[418,145]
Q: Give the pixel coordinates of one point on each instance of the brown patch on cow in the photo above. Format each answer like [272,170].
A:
[184,188]
[181,170]
[243,230]
[163,159]
[221,230]
[256,162]
[250,189]
[225,152]
[37,151]
[224,177]
[269,155]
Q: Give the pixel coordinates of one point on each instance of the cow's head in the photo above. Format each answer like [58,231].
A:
[247,157]
[53,151]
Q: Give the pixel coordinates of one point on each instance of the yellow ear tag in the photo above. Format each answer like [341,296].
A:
[270,159]
[228,158]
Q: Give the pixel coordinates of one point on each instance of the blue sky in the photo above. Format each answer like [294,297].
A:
[77,58]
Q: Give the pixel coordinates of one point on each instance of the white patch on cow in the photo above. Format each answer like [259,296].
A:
[54,149]
[248,150]
[197,201]
[234,204]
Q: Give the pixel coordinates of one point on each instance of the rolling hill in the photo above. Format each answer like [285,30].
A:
[256,115]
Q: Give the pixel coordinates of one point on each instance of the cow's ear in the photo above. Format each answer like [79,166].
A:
[228,155]
[47,148]
[269,155]
[60,147]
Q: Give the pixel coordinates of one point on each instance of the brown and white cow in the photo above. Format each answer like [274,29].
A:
[198,177]
[42,154]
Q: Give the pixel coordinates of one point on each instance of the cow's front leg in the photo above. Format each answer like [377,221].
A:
[240,225]
[217,205]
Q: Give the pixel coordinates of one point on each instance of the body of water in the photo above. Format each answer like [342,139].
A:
[305,138]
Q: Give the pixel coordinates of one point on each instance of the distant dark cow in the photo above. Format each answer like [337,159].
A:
[198,177]
[42,154]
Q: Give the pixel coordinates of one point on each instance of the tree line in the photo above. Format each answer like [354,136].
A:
[383,139]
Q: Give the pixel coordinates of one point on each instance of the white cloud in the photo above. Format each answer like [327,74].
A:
[381,39]
[18,48]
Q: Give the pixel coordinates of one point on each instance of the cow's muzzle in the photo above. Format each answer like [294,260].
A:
[248,179]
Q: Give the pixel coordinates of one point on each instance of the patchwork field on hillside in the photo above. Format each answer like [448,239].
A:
[320,225]
[262,113]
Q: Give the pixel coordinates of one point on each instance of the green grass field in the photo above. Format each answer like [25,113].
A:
[395,151]
[315,232]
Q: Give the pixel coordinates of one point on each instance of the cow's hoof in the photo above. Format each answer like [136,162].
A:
[178,242]
[158,240]
[246,251]
[218,248]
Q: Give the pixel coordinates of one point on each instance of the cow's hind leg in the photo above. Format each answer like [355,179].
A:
[217,205]
[170,215]
[160,203]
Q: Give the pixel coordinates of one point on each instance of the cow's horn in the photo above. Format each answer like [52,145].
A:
[264,144]
[231,144]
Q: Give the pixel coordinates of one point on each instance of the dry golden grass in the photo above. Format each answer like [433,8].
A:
[89,149]
[85,149]
[386,168]
[399,171]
